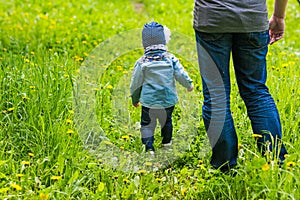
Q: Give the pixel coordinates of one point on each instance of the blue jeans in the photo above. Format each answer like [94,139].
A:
[249,59]
[148,125]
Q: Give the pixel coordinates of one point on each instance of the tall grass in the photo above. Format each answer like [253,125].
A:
[43,46]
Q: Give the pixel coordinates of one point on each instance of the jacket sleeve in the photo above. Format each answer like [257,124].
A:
[180,74]
[136,83]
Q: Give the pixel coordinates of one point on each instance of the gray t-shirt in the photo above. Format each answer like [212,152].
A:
[219,16]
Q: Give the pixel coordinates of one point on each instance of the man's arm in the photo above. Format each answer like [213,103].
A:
[276,23]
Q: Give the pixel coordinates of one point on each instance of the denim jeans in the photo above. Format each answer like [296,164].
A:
[148,125]
[249,59]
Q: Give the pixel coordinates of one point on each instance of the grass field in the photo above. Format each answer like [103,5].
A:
[67,127]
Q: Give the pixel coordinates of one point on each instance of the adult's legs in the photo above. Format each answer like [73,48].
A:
[249,56]
[213,57]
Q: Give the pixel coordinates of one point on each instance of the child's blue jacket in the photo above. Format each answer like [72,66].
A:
[153,80]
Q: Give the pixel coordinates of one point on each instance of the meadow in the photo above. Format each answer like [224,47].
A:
[67,126]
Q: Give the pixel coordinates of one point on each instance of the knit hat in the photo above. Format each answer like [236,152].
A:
[154,33]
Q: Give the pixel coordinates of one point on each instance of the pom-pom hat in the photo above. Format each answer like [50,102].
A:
[154,34]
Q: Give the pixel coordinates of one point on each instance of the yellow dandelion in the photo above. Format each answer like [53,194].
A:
[20,175]
[257,135]
[32,53]
[291,164]
[284,65]
[31,154]
[141,198]
[125,180]
[44,196]
[148,164]
[56,178]
[25,98]
[4,190]
[159,180]
[108,143]
[68,121]
[183,191]
[27,60]
[84,42]
[15,186]
[101,187]
[4,49]
[10,109]
[141,171]
[292,63]
[125,137]
[119,68]
[109,87]
[70,131]
[32,87]
[25,163]
[240,146]
[122,148]
[266,167]
[100,161]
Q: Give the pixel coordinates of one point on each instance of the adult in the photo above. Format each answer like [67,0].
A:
[239,28]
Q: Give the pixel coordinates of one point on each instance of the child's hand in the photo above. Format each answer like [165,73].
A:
[190,89]
[136,104]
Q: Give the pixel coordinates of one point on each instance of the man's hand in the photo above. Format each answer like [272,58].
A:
[136,104]
[276,28]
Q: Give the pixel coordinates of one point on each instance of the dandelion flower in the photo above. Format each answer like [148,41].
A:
[291,164]
[56,178]
[158,180]
[257,135]
[10,109]
[31,154]
[142,171]
[32,87]
[125,180]
[148,164]
[125,137]
[25,98]
[108,143]
[119,68]
[183,191]
[4,190]
[101,186]
[25,163]
[44,196]
[20,175]
[16,186]
[68,121]
[109,87]
[265,167]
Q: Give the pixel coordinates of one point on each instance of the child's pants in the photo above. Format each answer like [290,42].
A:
[148,124]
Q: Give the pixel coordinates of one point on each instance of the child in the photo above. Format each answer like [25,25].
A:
[153,84]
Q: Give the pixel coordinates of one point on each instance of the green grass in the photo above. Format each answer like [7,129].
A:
[44,151]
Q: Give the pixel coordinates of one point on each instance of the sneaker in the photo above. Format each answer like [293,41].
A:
[152,153]
[167,146]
